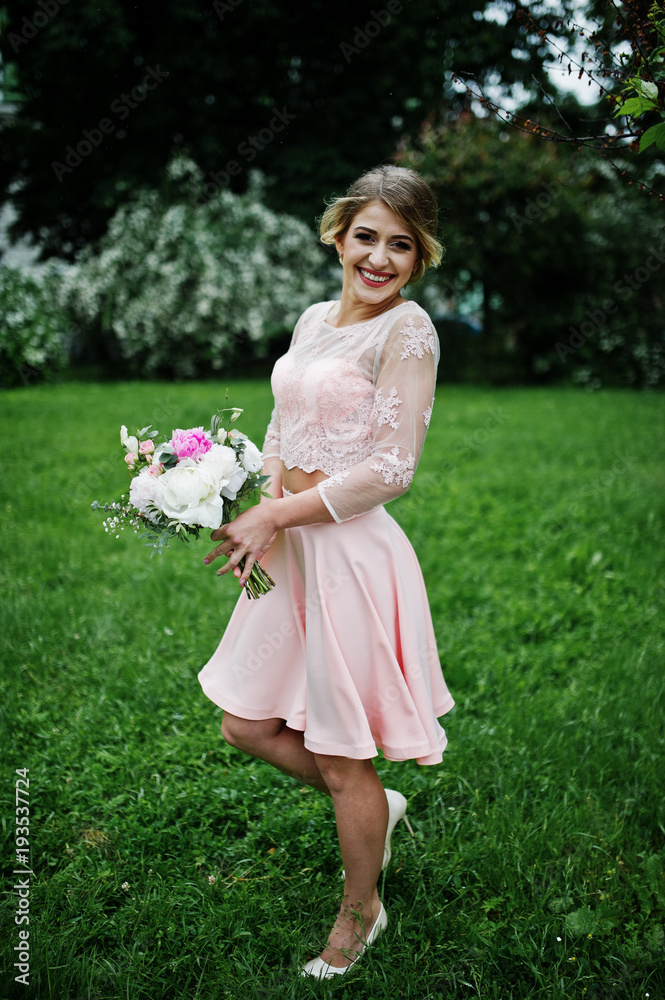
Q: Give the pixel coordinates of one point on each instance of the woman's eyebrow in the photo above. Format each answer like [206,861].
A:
[373,232]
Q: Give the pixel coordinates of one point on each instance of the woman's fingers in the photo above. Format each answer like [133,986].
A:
[218,535]
[215,554]
[248,538]
[234,556]
[247,569]
[224,549]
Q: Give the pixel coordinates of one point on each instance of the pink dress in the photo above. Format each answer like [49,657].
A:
[343,648]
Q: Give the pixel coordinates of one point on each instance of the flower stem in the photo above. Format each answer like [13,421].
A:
[258,582]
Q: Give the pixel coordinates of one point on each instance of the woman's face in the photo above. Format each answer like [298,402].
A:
[378,253]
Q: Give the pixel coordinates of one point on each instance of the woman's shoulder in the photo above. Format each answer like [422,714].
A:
[410,329]
[310,318]
[408,309]
[317,310]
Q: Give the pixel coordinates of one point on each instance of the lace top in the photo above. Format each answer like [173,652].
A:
[355,402]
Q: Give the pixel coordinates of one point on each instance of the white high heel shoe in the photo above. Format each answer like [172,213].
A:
[321,970]
[396,812]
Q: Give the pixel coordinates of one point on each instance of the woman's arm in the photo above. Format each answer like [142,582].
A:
[404,394]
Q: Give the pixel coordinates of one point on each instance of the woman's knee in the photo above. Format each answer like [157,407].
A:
[248,734]
[342,773]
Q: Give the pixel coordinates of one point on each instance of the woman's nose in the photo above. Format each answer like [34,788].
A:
[378,258]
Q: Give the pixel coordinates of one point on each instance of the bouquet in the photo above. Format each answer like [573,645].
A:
[196,479]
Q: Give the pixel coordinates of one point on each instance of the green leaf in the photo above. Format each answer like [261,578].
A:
[144,431]
[634,107]
[582,922]
[561,904]
[647,89]
[653,869]
[586,922]
[655,134]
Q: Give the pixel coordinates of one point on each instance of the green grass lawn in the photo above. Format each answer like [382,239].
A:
[168,865]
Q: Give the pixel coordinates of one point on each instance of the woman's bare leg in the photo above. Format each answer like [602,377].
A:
[272,740]
[361,813]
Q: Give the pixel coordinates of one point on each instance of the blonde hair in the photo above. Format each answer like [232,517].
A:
[406,194]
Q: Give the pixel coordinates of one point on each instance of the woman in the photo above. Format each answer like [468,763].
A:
[340,658]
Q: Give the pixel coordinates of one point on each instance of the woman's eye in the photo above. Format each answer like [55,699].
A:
[398,244]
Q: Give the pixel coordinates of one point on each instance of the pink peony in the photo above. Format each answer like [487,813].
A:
[147,447]
[193,443]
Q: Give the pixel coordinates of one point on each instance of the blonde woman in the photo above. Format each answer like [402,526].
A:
[340,658]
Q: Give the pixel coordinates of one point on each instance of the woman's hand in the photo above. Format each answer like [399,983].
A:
[251,534]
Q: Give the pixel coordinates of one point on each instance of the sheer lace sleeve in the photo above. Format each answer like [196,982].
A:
[271,444]
[405,378]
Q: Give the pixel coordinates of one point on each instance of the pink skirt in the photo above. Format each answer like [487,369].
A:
[343,648]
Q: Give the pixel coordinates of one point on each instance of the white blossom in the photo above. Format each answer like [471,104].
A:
[189,494]
[182,285]
[251,459]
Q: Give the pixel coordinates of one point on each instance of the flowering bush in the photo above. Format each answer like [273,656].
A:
[181,287]
[34,337]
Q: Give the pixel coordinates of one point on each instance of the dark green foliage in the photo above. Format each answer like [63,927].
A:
[564,260]
[304,92]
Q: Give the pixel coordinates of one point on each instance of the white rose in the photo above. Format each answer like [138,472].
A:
[145,492]
[129,442]
[190,494]
[228,473]
[252,459]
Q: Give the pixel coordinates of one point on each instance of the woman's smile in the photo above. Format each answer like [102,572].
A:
[374,278]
